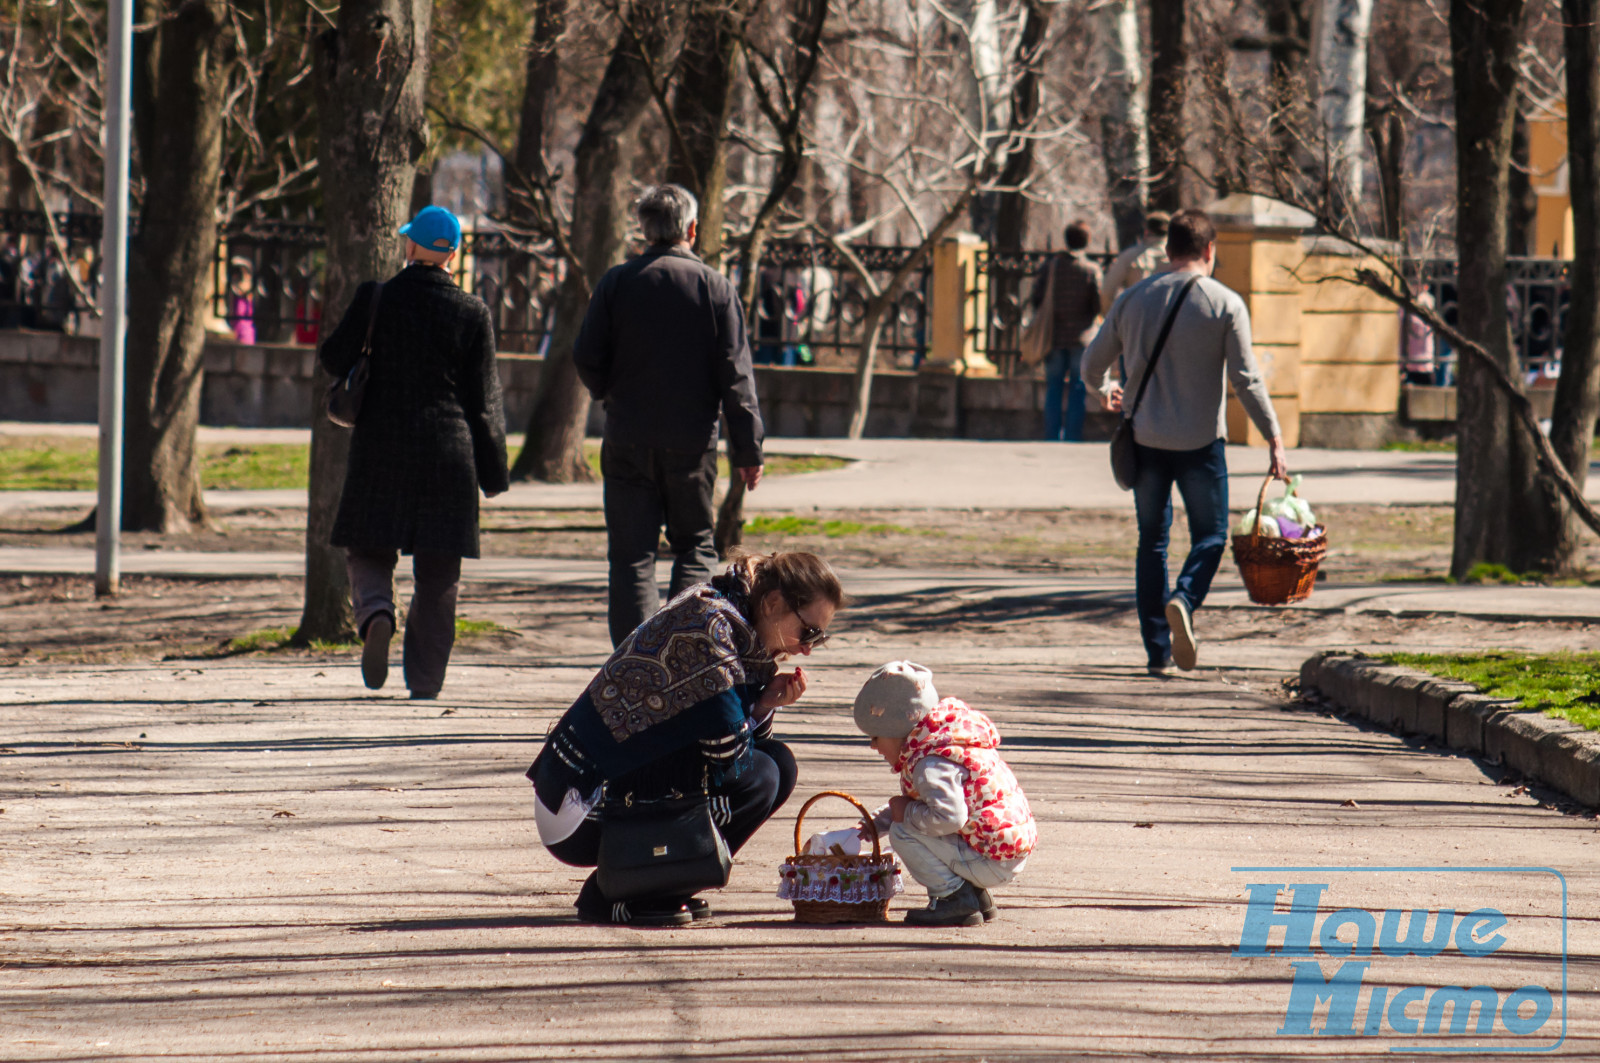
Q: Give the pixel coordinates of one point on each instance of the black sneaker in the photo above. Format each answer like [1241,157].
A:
[639,913]
[375,651]
[961,908]
[699,908]
[986,905]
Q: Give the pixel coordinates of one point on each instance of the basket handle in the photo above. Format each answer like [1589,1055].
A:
[1261,500]
[877,851]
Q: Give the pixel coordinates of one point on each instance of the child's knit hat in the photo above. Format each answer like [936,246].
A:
[894,698]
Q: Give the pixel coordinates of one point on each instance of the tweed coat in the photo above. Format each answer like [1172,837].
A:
[432,424]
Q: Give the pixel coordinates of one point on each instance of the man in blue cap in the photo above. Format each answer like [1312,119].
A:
[430,434]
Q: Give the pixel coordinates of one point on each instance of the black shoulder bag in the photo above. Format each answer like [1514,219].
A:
[345,394]
[1124,458]
[660,847]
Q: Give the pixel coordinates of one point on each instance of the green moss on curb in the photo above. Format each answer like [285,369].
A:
[1563,685]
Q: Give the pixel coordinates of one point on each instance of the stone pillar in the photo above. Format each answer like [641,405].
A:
[958,308]
[1258,250]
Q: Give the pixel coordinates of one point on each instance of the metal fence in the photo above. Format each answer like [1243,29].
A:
[1538,291]
[810,306]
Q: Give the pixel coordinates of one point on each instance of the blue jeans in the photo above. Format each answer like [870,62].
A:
[1059,365]
[1201,477]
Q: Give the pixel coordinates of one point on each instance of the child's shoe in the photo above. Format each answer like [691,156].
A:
[961,908]
[986,904]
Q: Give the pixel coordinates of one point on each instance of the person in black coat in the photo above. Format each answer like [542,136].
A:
[431,432]
[664,347]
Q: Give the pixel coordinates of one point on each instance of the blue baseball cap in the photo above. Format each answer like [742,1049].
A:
[434,228]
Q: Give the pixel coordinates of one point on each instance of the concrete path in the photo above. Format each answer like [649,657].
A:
[974,584]
[249,861]
[937,474]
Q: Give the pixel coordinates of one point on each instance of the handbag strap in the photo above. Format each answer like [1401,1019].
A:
[1161,342]
[372,319]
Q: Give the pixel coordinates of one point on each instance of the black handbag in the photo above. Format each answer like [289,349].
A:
[346,393]
[660,847]
[1124,458]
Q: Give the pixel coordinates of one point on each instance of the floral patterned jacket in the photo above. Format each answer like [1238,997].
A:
[999,822]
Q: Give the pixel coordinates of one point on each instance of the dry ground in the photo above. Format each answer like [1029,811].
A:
[1368,542]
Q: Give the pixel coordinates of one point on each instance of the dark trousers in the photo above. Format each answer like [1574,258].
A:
[758,792]
[1201,477]
[646,487]
[431,617]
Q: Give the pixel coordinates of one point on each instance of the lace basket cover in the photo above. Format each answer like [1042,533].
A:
[843,880]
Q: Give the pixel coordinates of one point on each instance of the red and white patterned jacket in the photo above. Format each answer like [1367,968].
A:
[999,822]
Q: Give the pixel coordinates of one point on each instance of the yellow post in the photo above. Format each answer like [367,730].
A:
[1258,252]
[958,309]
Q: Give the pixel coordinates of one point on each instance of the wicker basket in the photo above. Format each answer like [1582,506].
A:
[1277,571]
[829,888]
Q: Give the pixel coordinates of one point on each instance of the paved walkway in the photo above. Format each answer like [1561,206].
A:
[933,474]
[256,860]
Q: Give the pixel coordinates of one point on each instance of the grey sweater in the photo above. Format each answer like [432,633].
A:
[1184,407]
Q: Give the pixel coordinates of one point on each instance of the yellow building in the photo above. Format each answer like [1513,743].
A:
[1547,165]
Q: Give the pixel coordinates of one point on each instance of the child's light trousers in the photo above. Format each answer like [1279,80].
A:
[943,862]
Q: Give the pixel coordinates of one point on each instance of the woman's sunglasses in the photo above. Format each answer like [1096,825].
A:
[810,637]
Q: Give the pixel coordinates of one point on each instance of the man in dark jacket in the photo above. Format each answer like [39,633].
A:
[664,347]
[431,432]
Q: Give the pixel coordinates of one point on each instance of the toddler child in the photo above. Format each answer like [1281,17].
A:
[961,824]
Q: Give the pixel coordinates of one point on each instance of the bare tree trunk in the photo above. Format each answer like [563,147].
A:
[1524,201]
[371,77]
[1340,44]
[1011,217]
[979,95]
[702,106]
[1169,62]
[1503,503]
[602,167]
[1578,391]
[1387,128]
[184,78]
[1124,129]
[542,70]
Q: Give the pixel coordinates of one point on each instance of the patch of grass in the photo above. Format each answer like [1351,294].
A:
[33,463]
[1421,446]
[1563,685]
[468,629]
[266,639]
[258,467]
[789,524]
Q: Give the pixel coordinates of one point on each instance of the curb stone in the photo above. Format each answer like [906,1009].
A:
[1556,752]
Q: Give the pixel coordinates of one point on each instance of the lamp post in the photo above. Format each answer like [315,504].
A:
[113,289]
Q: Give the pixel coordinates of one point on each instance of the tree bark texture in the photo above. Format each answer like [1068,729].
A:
[1577,400]
[1340,44]
[1124,131]
[182,77]
[603,165]
[702,106]
[1169,63]
[1523,200]
[1503,505]
[1011,215]
[542,70]
[1387,128]
[371,78]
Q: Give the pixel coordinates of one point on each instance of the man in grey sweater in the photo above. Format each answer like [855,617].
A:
[1180,424]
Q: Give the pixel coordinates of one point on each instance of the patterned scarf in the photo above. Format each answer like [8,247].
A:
[698,646]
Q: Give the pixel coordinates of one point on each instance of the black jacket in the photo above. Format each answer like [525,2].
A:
[432,426]
[664,347]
